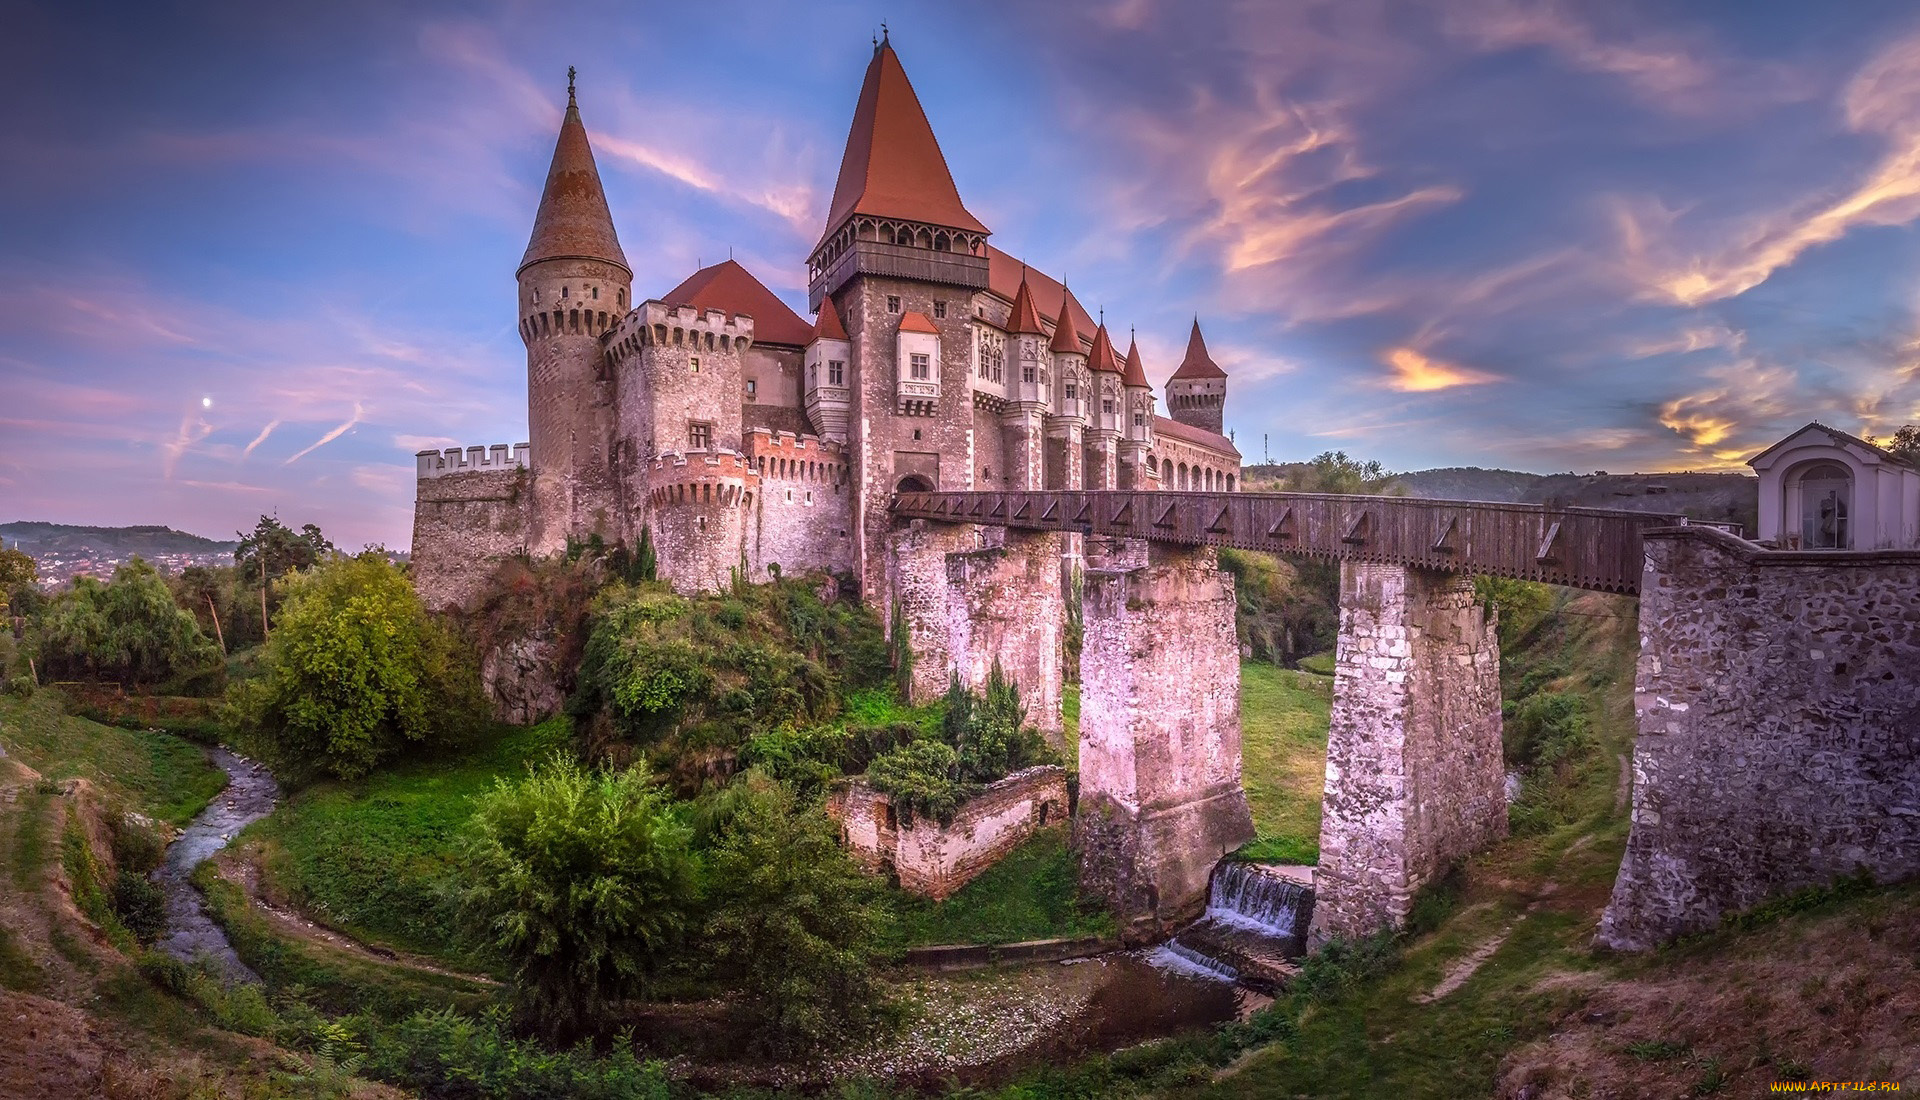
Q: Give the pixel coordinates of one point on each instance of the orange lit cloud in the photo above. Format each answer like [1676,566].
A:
[1416,372]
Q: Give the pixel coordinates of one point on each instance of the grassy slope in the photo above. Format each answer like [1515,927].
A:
[1283,746]
[158,774]
[1029,895]
[367,857]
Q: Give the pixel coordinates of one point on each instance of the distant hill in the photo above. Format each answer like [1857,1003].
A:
[1719,497]
[66,540]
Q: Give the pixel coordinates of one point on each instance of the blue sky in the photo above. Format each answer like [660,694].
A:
[252,256]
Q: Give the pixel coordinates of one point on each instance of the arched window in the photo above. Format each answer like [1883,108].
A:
[1181,482]
[913,483]
[1825,490]
[1229,483]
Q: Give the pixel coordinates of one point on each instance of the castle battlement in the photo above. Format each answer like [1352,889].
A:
[455,460]
[701,477]
[787,456]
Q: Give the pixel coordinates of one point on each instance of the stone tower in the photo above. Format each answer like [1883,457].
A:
[574,286]
[1197,392]
[901,259]
[1136,428]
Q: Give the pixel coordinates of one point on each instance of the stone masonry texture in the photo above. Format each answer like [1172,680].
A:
[1778,697]
[934,860]
[1414,779]
[1160,798]
[1005,605]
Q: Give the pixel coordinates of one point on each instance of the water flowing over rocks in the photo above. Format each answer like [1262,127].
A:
[1254,927]
[251,794]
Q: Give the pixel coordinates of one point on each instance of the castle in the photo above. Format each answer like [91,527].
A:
[739,435]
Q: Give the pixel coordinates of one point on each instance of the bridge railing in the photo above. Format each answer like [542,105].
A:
[1594,548]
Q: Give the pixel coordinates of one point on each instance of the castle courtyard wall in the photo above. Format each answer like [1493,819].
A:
[1778,697]
[935,860]
[463,524]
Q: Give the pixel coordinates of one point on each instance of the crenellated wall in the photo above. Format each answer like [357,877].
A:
[464,522]
[699,503]
[1160,797]
[802,516]
[1778,697]
[1414,780]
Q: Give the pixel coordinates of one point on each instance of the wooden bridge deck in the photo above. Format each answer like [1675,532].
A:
[1594,548]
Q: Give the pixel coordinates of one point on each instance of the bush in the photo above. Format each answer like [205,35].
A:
[355,672]
[1546,729]
[922,778]
[128,629]
[453,1057]
[988,733]
[794,925]
[586,882]
[139,905]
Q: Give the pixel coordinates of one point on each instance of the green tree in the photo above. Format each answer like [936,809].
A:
[1335,472]
[128,629]
[922,778]
[586,881]
[280,548]
[1905,443]
[18,596]
[988,732]
[355,671]
[793,925]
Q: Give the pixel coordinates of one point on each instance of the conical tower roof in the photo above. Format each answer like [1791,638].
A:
[1135,374]
[1066,335]
[573,221]
[1101,357]
[1024,318]
[827,326]
[1198,364]
[893,167]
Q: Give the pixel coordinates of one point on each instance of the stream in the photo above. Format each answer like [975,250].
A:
[251,794]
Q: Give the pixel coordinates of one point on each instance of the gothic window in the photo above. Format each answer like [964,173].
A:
[699,436]
[813,374]
[1073,392]
[940,309]
[836,372]
[1106,406]
[1026,374]
[620,297]
[993,354]
[893,303]
[921,368]
[1139,419]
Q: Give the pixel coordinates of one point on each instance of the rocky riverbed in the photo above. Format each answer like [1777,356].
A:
[251,794]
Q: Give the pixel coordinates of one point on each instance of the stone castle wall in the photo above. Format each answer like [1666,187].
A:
[463,524]
[1415,779]
[1778,697]
[802,515]
[570,415]
[1005,605]
[934,860]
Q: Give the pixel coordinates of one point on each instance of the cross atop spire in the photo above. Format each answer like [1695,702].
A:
[571,73]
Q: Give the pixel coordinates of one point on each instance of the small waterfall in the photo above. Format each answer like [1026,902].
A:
[1249,896]
[1174,955]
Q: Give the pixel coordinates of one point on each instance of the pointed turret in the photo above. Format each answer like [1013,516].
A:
[1101,358]
[1198,364]
[827,326]
[1197,392]
[1025,319]
[1066,335]
[1134,375]
[573,221]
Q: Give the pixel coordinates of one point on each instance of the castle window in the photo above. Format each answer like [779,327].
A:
[809,496]
[836,372]
[920,367]
[753,387]
[596,294]
[893,303]
[940,309]
[1107,407]
[1026,374]
[699,436]
[536,296]
[813,374]
[916,433]
[789,496]
[694,362]
[1073,392]
[620,297]
[1139,419]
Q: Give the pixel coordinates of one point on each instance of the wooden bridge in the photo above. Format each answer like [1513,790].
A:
[1594,548]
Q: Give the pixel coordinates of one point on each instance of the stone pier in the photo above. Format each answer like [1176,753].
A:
[1778,696]
[1160,797]
[1415,781]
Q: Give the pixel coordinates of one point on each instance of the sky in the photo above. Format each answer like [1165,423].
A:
[253,256]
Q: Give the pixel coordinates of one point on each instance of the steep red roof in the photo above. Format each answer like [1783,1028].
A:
[732,289]
[827,326]
[1101,357]
[1004,274]
[1024,317]
[1135,374]
[1198,364]
[1066,332]
[1197,436]
[893,167]
[573,220]
[914,321]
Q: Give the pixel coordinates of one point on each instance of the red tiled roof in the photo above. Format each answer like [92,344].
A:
[1024,317]
[732,289]
[914,321]
[893,167]
[1197,436]
[1066,332]
[1135,374]
[573,219]
[1198,364]
[1101,357]
[827,326]
[1004,274]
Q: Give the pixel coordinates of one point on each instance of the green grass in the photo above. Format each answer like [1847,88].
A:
[1032,894]
[158,774]
[1320,664]
[1283,747]
[1070,724]
[374,857]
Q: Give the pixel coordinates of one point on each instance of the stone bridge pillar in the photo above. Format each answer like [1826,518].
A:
[964,608]
[1160,798]
[1415,779]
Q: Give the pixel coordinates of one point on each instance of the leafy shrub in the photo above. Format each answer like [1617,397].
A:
[137,846]
[446,1055]
[586,882]
[1547,728]
[1342,965]
[989,733]
[128,629]
[355,672]
[793,924]
[922,778]
[139,905]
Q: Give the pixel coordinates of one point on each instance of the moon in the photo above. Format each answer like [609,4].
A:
[206,402]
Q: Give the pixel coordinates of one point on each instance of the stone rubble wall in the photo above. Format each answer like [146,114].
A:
[1160,797]
[1415,779]
[463,524]
[934,860]
[1778,697]
[1006,605]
